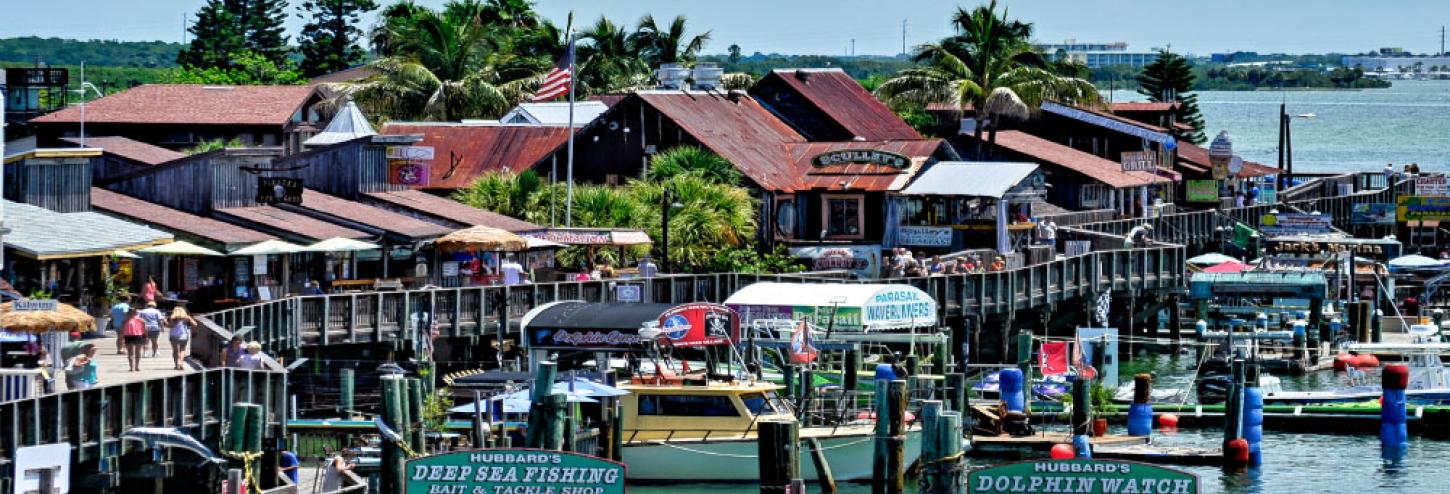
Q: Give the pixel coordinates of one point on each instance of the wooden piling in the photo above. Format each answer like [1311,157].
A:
[950,445]
[779,458]
[540,416]
[416,440]
[788,376]
[391,474]
[957,398]
[237,427]
[235,479]
[1024,362]
[889,454]
[807,393]
[348,390]
[550,432]
[930,419]
[480,438]
[824,476]
[852,371]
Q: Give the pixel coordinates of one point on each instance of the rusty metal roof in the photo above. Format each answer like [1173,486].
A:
[363,214]
[290,224]
[450,210]
[130,149]
[165,218]
[839,96]
[1142,106]
[859,177]
[735,127]
[191,104]
[464,152]
[1059,156]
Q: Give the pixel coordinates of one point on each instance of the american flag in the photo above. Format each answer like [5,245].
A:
[556,82]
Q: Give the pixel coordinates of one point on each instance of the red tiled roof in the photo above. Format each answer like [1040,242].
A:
[294,223]
[165,218]
[1093,167]
[735,127]
[875,178]
[191,104]
[840,97]
[130,149]
[1142,106]
[479,149]
[450,210]
[1197,156]
[383,219]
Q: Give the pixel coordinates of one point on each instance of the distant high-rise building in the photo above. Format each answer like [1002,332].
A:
[1097,55]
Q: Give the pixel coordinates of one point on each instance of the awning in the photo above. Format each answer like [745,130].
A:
[43,234]
[575,324]
[868,307]
[975,179]
[1108,123]
[592,236]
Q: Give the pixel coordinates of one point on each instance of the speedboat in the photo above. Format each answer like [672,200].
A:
[706,432]
[1213,389]
[1429,379]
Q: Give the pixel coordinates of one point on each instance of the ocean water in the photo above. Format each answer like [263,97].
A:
[1352,130]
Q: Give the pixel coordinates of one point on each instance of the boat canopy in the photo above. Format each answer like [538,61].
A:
[861,307]
[1205,286]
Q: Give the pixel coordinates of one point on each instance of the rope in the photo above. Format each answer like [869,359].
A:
[247,472]
[707,453]
[852,443]
[403,445]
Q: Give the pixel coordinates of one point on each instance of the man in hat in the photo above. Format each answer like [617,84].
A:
[1138,236]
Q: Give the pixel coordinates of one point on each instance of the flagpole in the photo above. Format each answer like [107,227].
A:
[569,195]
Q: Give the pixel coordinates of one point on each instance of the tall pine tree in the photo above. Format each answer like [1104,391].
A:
[1170,79]
[216,35]
[262,25]
[329,40]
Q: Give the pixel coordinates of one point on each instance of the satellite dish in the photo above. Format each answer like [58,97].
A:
[1235,165]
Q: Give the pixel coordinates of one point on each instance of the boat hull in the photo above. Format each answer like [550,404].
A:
[735,460]
[1439,396]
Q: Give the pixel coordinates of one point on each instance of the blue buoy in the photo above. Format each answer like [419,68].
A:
[1009,385]
[1394,435]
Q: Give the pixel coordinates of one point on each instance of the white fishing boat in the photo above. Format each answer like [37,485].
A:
[707,433]
[1429,379]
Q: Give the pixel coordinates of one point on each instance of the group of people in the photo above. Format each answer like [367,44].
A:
[1247,196]
[242,355]
[904,263]
[1411,170]
[136,327]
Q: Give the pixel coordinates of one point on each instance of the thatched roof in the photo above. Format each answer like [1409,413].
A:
[66,318]
[483,238]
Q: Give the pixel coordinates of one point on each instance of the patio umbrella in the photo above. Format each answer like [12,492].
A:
[1210,259]
[269,247]
[180,248]
[339,244]
[125,254]
[1415,261]
[539,243]
[482,238]
[65,318]
[1228,267]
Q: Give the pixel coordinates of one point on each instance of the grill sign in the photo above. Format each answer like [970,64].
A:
[861,156]
[276,190]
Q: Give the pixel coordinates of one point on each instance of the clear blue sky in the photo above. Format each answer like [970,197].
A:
[827,26]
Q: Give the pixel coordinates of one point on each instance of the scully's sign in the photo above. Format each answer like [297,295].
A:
[513,471]
[1081,476]
[861,156]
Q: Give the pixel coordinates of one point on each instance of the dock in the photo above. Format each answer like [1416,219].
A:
[1042,442]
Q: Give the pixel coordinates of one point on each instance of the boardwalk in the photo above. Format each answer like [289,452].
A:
[111,368]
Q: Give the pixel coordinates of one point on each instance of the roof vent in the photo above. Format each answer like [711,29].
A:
[803,74]
[672,76]
[735,95]
[707,76]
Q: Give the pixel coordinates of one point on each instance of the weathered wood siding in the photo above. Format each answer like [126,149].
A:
[58,184]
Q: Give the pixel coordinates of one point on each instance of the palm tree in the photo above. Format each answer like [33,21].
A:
[712,217]
[510,194]
[666,45]
[607,62]
[443,66]
[989,66]
[681,160]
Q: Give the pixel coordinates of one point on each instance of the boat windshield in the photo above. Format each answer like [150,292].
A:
[763,403]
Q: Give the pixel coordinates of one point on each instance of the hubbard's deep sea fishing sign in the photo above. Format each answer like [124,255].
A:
[513,471]
[1081,476]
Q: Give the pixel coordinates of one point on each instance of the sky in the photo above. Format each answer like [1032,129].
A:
[828,26]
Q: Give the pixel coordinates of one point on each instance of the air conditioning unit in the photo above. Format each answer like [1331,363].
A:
[707,76]
[672,76]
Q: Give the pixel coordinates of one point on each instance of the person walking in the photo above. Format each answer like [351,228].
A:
[180,336]
[118,321]
[513,272]
[340,462]
[135,335]
[647,268]
[148,291]
[154,321]
[80,371]
[288,464]
[232,353]
[253,358]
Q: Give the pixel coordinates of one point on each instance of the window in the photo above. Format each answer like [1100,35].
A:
[843,216]
[687,406]
[757,404]
[1094,195]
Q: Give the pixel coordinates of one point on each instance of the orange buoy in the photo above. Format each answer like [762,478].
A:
[1236,452]
[1063,452]
[1344,361]
[1368,360]
[1168,421]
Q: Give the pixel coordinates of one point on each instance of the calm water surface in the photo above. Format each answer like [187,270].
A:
[1351,130]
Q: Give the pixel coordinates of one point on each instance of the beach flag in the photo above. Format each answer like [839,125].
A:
[557,81]
[801,349]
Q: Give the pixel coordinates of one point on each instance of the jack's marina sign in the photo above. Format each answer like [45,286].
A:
[1081,476]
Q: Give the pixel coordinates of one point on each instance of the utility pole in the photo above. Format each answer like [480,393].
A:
[853,47]
[1442,41]
[903,37]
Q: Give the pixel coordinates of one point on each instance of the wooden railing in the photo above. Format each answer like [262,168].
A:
[93,420]
[289,324]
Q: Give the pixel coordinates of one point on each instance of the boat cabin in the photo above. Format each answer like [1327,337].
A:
[713,411]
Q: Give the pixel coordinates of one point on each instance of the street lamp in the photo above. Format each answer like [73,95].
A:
[667,202]
[1286,145]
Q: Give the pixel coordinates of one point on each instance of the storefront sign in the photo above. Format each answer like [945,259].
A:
[1382,249]
[1295,224]
[573,237]
[899,306]
[628,293]
[699,324]
[1084,476]
[259,264]
[34,305]
[279,190]
[846,317]
[1432,186]
[1423,208]
[924,236]
[1138,161]
[513,471]
[861,156]
[1202,191]
[410,173]
[1373,213]
[862,260]
[410,153]
[573,339]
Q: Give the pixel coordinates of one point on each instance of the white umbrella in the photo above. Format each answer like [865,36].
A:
[269,247]
[1210,259]
[125,254]
[180,248]
[339,244]
[539,243]
[1415,261]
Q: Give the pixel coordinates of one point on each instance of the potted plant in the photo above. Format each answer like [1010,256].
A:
[1101,400]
